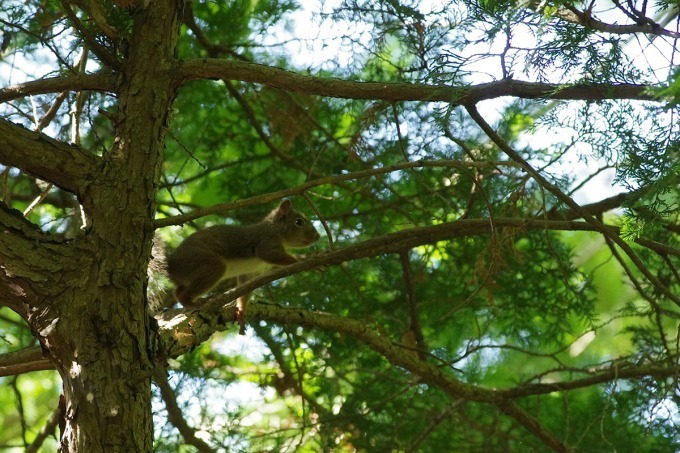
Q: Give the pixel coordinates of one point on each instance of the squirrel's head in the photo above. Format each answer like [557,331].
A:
[295,228]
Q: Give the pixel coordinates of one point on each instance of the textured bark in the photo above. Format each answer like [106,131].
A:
[68,166]
[85,298]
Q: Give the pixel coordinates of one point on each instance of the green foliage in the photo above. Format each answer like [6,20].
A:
[28,401]
[502,309]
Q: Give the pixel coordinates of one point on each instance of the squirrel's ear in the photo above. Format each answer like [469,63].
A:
[286,206]
[281,211]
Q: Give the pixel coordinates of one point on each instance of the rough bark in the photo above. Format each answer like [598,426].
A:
[85,298]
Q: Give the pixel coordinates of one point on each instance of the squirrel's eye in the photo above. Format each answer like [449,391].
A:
[300,221]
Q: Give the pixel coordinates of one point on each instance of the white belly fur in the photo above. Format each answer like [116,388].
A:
[246,266]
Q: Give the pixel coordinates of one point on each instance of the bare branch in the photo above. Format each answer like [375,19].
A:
[599,376]
[80,82]
[593,209]
[67,166]
[571,14]
[24,361]
[212,68]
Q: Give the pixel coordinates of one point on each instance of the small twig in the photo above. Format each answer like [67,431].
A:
[50,114]
[102,52]
[414,319]
[433,425]
[79,102]
[300,383]
[532,425]
[175,415]
[20,409]
[648,297]
[47,430]
[321,218]
[38,200]
[327,180]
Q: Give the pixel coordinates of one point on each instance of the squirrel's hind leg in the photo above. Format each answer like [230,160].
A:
[202,278]
[241,304]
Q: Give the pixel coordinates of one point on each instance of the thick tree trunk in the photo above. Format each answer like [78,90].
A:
[85,299]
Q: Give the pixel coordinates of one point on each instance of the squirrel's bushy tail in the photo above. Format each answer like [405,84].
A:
[157,294]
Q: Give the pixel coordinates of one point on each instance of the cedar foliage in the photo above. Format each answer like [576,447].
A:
[497,183]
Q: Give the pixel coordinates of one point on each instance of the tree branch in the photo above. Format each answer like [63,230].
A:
[389,243]
[30,262]
[211,68]
[24,361]
[67,166]
[199,323]
[599,376]
[593,209]
[79,82]
[179,326]
[586,19]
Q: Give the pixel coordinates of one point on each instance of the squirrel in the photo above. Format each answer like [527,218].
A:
[219,252]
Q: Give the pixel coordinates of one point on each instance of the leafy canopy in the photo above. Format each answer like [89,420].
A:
[547,113]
